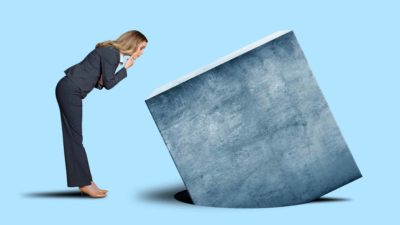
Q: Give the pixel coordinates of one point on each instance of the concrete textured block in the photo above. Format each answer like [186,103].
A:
[253,129]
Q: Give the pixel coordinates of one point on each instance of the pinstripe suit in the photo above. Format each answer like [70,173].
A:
[79,80]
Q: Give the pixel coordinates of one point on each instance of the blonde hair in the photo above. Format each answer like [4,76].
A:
[127,43]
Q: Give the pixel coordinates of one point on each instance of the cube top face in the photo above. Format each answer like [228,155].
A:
[254,130]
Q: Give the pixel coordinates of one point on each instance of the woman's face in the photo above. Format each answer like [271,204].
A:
[140,50]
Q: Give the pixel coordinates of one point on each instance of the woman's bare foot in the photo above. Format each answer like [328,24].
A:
[91,191]
[101,190]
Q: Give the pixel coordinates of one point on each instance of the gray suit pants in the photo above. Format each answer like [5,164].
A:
[69,100]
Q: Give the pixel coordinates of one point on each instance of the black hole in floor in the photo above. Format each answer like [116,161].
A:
[183,196]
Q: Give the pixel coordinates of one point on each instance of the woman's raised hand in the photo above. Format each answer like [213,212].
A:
[130,61]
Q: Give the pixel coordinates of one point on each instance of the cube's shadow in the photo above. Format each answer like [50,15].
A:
[180,194]
[183,196]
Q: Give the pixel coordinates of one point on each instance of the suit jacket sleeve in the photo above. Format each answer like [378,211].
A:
[110,78]
[98,84]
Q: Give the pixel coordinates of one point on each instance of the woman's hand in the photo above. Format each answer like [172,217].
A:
[130,61]
[100,82]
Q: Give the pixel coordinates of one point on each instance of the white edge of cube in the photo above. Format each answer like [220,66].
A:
[218,62]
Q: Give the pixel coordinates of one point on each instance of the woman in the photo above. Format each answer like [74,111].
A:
[97,69]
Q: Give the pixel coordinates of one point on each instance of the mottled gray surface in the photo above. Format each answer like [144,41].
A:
[254,131]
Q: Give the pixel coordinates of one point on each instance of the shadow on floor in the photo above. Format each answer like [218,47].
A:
[169,194]
[179,193]
[330,199]
[55,194]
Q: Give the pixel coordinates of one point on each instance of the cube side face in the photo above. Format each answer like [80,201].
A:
[255,131]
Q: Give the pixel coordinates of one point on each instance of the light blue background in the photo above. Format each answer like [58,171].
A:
[351,46]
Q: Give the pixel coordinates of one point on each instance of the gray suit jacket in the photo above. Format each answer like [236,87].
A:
[100,61]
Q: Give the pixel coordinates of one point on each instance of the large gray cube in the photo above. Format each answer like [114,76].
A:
[253,129]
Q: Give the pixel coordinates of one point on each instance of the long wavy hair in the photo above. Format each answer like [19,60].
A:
[127,43]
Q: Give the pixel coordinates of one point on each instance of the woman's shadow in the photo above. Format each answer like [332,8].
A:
[55,194]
